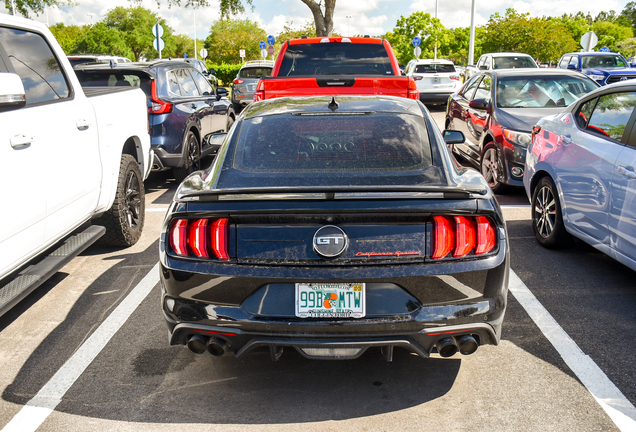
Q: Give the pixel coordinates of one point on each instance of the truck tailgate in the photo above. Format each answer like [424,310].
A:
[273,87]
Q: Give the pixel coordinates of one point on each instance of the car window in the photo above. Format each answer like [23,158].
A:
[204,85]
[173,83]
[563,64]
[434,68]
[336,59]
[585,112]
[603,61]
[514,62]
[611,114]
[35,63]
[255,72]
[470,89]
[537,91]
[187,83]
[341,143]
[574,61]
[484,89]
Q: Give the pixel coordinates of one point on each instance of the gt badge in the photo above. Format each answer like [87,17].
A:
[330,241]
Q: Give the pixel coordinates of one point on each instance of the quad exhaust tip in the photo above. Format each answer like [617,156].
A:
[217,347]
[199,344]
[449,346]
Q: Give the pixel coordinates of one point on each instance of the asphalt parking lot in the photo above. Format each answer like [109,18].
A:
[88,351]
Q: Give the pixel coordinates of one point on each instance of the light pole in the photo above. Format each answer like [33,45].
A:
[471,43]
[13,6]
[348,24]
[195,33]
[435,54]
[91,15]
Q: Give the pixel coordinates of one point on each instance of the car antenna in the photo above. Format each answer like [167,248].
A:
[333,105]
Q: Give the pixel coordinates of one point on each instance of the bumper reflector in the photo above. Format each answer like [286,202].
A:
[331,352]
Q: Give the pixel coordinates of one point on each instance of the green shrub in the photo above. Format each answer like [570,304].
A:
[225,72]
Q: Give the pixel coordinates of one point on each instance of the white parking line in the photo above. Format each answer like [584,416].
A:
[33,414]
[609,397]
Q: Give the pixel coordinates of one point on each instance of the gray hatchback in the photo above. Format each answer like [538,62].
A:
[244,84]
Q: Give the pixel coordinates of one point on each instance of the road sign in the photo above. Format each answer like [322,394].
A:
[242,52]
[203,53]
[271,40]
[271,50]
[157,30]
[604,49]
[416,41]
[417,51]
[264,53]
[589,41]
[262,45]
[159,44]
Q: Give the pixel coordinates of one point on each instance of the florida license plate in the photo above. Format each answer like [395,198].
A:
[330,300]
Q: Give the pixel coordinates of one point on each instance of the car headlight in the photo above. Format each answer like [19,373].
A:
[522,139]
[597,77]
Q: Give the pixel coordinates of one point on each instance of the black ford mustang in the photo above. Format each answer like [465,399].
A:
[332,225]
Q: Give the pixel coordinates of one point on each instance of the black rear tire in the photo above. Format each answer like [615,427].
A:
[547,219]
[192,159]
[124,222]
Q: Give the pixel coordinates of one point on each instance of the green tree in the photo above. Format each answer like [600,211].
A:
[135,26]
[629,13]
[322,10]
[610,34]
[100,39]
[421,24]
[67,36]
[25,7]
[229,36]
[577,25]
[458,41]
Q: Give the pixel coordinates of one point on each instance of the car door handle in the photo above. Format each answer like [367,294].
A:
[82,124]
[629,173]
[566,139]
[21,141]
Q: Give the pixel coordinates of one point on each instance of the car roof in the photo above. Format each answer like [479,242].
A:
[532,71]
[318,40]
[431,61]
[138,66]
[321,104]
[508,54]
[589,54]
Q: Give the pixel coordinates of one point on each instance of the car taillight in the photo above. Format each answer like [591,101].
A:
[462,235]
[200,238]
[455,77]
[259,95]
[157,105]
[238,81]
[411,92]
[417,78]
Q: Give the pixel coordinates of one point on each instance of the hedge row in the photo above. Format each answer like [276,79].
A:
[225,73]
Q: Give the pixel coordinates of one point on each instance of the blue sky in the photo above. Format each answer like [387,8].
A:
[367,16]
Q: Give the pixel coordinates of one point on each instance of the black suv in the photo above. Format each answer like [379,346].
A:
[188,116]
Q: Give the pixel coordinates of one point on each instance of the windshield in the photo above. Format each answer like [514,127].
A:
[336,59]
[342,142]
[435,68]
[256,72]
[541,91]
[513,62]
[603,61]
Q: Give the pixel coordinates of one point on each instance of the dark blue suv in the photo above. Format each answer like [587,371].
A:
[188,117]
[602,67]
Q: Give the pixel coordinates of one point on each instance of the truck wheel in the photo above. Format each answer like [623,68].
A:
[192,160]
[124,221]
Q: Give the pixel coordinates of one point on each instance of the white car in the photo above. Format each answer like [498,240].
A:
[436,80]
[506,61]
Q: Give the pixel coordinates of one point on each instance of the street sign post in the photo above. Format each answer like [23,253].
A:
[417,41]
[604,49]
[158,43]
[203,53]
[262,45]
[417,52]
[271,40]
[589,41]
[264,53]
[242,54]
[271,50]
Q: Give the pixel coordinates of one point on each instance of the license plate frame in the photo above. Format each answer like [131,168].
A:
[346,304]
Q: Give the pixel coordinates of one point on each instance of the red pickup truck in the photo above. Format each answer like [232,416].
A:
[336,65]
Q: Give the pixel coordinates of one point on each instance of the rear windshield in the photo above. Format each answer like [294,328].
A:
[603,61]
[114,79]
[435,68]
[513,62]
[335,59]
[332,143]
[256,72]
[541,91]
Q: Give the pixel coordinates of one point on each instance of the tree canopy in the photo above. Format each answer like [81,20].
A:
[228,36]
[421,24]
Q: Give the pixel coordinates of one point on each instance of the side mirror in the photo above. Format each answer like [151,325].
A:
[211,71]
[221,92]
[453,137]
[480,104]
[483,67]
[571,66]
[12,95]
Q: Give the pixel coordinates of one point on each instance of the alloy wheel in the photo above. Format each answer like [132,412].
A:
[132,206]
[545,212]
[490,167]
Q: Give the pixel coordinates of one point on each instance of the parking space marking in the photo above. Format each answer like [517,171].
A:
[33,414]
[609,397]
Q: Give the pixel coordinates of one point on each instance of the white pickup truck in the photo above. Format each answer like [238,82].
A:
[73,160]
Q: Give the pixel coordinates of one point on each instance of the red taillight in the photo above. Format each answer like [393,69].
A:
[200,238]
[157,105]
[238,81]
[455,77]
[259,95]
[417,78]
[411,92]
[462,235]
